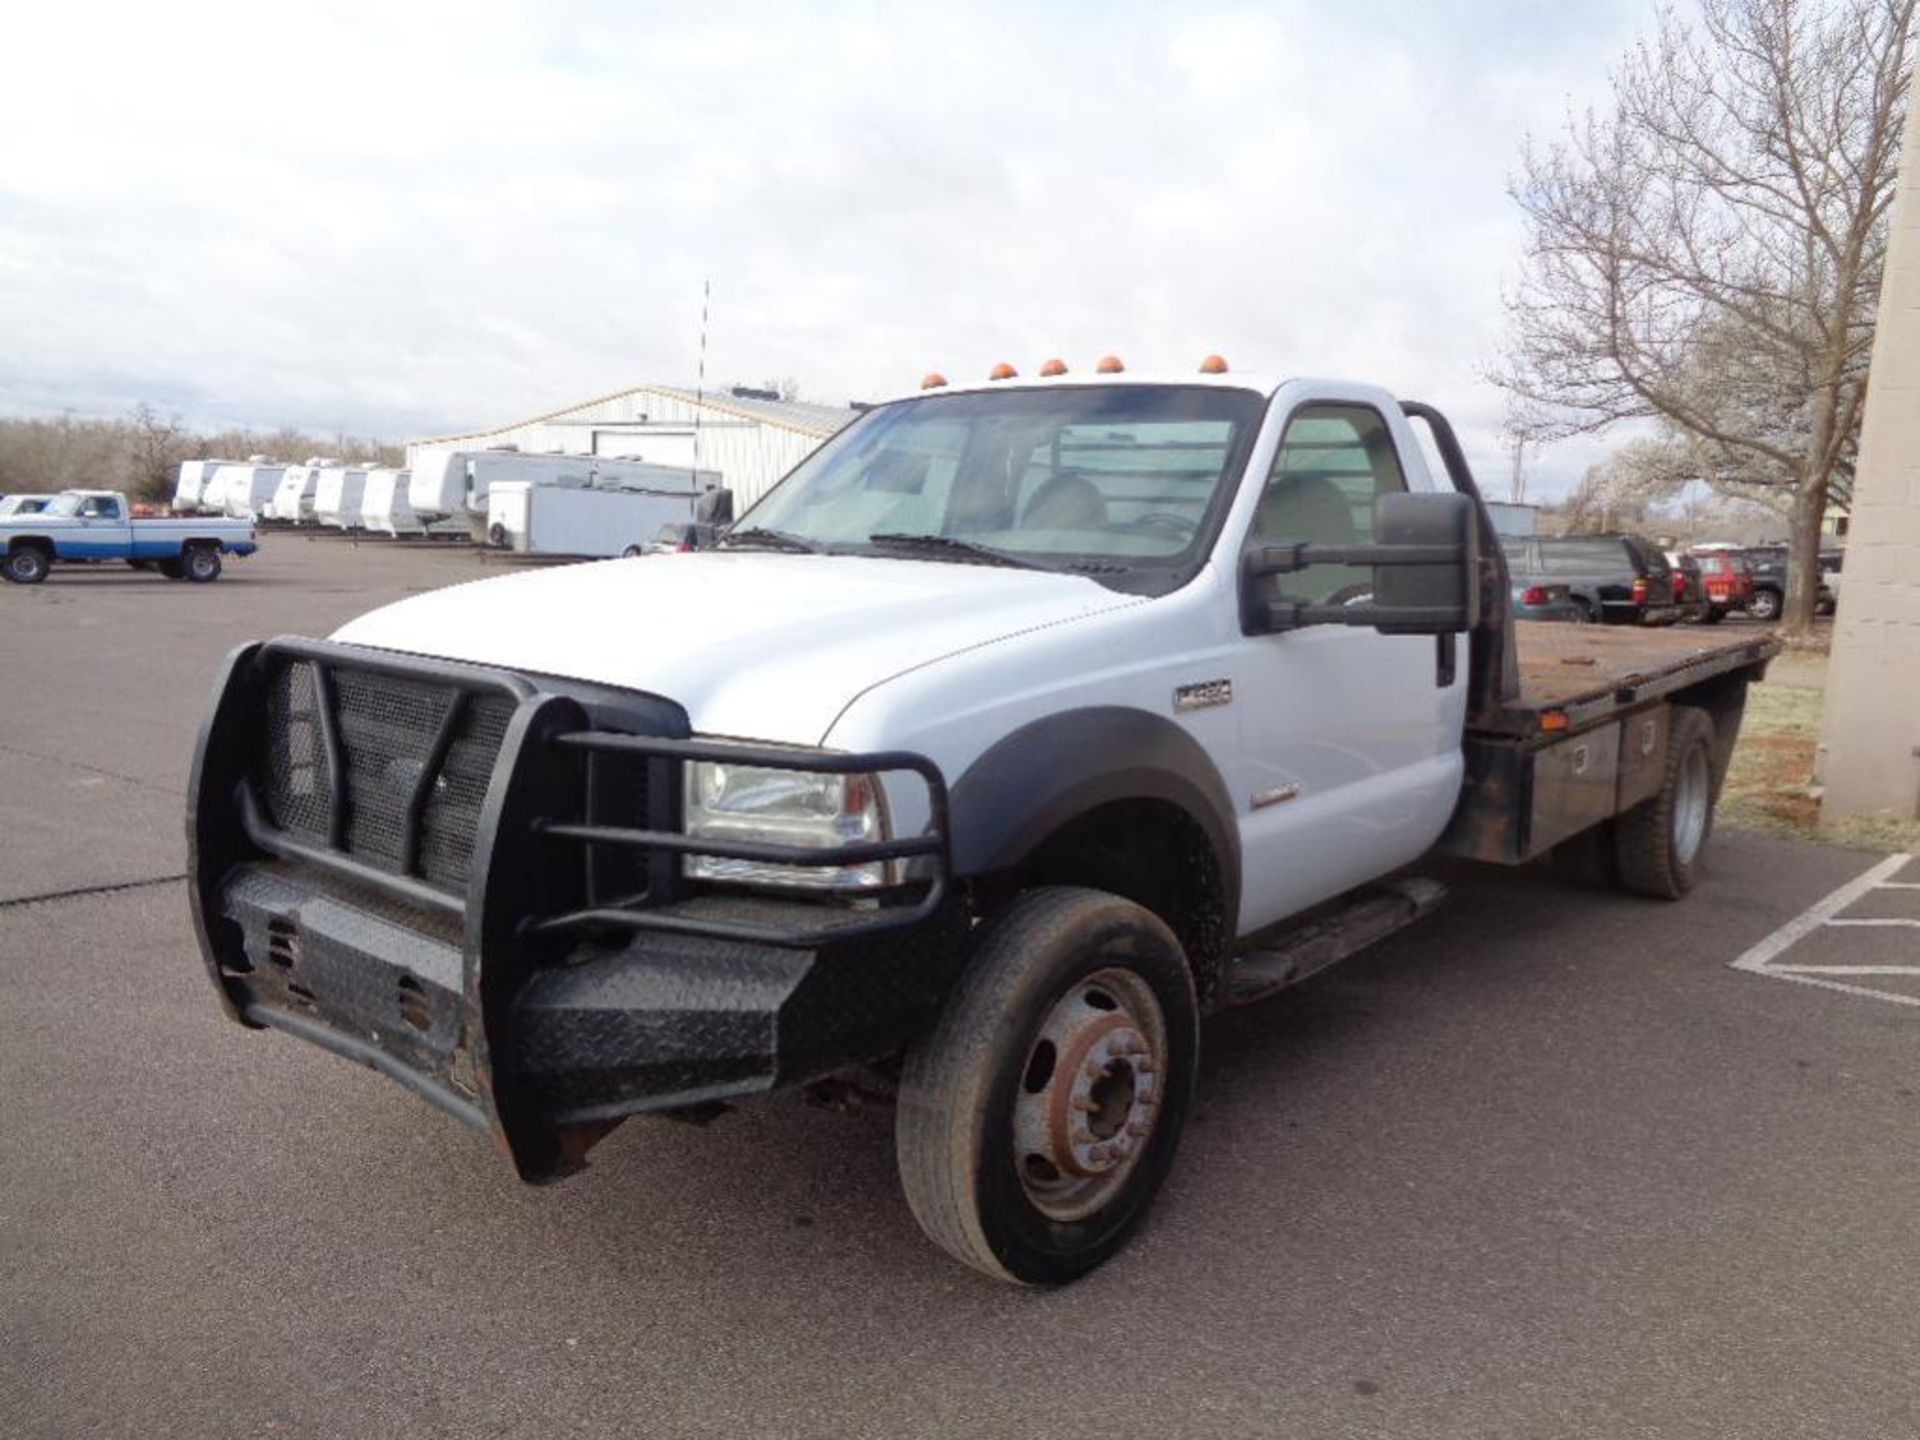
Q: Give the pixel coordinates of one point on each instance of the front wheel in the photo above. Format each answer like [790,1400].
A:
[1040,1114]
[26,565]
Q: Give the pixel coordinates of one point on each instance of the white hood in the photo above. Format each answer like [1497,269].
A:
[757,646]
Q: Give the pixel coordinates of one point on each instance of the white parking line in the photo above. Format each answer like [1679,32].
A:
[1759,960]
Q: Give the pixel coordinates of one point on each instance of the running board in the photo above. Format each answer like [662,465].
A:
[1371,915]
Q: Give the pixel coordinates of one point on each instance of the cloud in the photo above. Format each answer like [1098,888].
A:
[410,218]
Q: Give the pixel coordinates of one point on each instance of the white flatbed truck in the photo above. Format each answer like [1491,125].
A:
[1016,730]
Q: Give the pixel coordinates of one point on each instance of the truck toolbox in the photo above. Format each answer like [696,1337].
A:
[471,885]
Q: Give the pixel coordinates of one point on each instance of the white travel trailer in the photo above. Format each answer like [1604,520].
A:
[192,485]
[336,496]
[241,491]
[455,484]
[384,507]
[293,499]
[531,519]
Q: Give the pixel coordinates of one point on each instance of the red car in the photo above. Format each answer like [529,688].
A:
[1729,582]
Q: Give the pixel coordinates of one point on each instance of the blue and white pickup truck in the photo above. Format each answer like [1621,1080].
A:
[88,526]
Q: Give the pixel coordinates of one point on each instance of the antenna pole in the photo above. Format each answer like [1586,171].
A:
[700,385]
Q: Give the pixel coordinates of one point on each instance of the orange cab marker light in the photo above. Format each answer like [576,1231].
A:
[1002,371]
[932,380]
[1110,365]
[1213,365]
[1054,367]
[1554,720]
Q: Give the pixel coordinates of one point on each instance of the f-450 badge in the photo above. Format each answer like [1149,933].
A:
[1203,696]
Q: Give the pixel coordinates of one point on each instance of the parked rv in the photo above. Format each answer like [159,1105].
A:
[384,508]
[190,490]
[337,495]
[292,501]
[241,491]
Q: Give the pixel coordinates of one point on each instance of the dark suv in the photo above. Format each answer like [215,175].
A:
[1618,579]
[1769,564]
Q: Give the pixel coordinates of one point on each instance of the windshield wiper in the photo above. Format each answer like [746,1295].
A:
[760,536]
[965,551]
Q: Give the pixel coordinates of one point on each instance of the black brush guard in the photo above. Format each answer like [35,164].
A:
[521,996]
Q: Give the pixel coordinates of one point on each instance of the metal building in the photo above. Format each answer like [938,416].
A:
[750,436]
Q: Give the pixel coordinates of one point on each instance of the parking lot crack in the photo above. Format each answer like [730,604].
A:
[90,769]
[83,891]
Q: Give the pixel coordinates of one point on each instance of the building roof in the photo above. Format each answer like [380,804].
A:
[800,416]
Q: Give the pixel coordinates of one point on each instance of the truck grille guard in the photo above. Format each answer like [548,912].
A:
[484,825]
[403,882]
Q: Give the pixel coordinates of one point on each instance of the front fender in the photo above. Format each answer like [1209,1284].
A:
[1049,772]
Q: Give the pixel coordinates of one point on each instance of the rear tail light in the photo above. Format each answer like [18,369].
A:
[1534,595]
[1679,584]
[1640,590]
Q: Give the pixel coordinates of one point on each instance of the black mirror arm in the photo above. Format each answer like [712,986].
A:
[1287,557]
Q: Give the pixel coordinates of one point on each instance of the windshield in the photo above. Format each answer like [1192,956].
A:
[1125,483]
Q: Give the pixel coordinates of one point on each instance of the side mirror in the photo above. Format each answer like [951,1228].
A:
[1426,571]
[714,507]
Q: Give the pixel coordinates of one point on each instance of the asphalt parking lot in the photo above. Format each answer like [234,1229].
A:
[1549,1165]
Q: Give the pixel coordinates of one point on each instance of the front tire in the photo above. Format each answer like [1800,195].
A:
[1040,1114]
[26,565]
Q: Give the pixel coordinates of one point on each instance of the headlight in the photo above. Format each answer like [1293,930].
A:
[785,807]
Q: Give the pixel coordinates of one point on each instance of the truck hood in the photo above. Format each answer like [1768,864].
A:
[754,646]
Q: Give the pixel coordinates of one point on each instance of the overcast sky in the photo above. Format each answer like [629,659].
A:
[406,218]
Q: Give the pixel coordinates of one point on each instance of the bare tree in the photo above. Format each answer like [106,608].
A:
[1708,254]
[155,448]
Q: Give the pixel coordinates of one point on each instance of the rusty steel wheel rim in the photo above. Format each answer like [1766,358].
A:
[1090,1094]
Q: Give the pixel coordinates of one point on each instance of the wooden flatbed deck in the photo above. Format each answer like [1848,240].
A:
[1588,672]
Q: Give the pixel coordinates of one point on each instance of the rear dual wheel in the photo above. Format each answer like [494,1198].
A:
[1658,843]
[1040,1114]
[1654,849]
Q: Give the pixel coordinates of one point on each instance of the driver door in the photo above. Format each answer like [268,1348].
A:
[1350,759]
